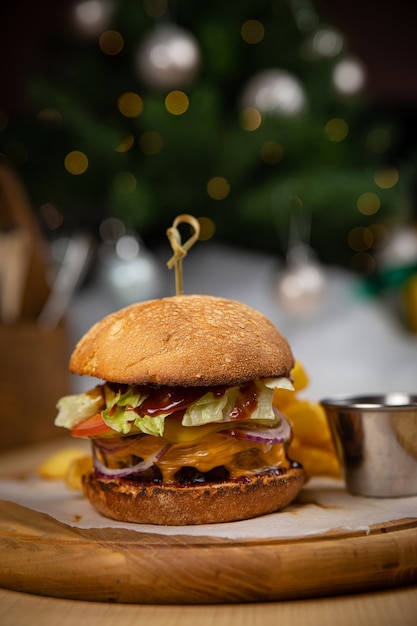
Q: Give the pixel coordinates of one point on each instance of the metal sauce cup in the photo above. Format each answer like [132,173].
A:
[376,437]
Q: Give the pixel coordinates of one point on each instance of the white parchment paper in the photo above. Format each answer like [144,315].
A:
[323,505]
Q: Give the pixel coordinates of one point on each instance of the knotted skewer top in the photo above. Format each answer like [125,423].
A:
[180,249]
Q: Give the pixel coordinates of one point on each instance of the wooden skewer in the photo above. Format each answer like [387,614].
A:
[180,249]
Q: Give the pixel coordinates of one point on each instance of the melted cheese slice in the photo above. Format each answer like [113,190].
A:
[240,458]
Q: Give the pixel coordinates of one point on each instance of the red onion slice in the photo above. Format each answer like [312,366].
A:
[278,434]
[123,472]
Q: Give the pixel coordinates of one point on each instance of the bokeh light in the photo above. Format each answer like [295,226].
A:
[76,162]
[386,178]
[130,104]
[380,234]
[176,102]
[92,16]
[252,31]
[207,228]
[218,188]
[126,144]
[250,119]
[368,203]
[349,76]
[49,115]
[155,8]
[360,238]
[111,42]
[111,229]
[51,216]
[336,129]
[275,91]
[127,247]
[327,42]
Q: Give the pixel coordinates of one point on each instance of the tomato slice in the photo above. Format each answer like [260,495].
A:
[91,427]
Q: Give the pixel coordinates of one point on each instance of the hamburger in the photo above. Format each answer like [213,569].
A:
[183,428]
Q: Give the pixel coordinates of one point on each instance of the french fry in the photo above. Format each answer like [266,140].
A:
[312,444]
[76,470]
[56,466]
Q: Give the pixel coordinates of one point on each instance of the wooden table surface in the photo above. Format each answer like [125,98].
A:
[385,608]
[382,608]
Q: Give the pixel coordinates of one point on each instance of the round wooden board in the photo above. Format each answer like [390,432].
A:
[40,555]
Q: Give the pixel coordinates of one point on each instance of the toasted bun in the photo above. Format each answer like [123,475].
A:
[180,505]
[191,340]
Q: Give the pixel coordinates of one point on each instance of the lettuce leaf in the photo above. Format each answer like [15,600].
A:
[120,414]
[77,407]
[209,409]
[278,383]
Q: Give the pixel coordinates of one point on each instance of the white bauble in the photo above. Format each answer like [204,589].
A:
[301,286]
[91,17]
[400,249]
[349,76]
[168,58]
[131,273]
[275,91]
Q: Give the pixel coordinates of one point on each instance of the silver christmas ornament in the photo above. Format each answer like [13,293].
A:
[275,91]
[168,58]
[301,285]
[129,271]
[91,17]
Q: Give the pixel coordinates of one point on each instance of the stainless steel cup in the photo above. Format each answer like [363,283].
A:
[376,437]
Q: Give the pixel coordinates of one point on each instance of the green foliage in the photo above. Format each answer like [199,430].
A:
[83,85]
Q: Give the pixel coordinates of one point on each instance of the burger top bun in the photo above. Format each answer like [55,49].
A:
[183,340]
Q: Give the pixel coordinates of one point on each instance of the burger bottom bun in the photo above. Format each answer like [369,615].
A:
[180,505]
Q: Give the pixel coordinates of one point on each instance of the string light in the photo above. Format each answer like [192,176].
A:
[126,144]
[207,228]
[252,31]
[368,203]
[250,119]
[111,42]
[360,238]
[386,178]
[76,162]
[218,188]
[336,129]
[155,8]
[130,104]
[380,235]
[176,102]
[49,115]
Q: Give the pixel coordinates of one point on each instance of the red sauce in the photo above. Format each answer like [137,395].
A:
[246,402]
[169,399]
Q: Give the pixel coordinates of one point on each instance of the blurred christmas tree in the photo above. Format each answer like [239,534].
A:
[240,112]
